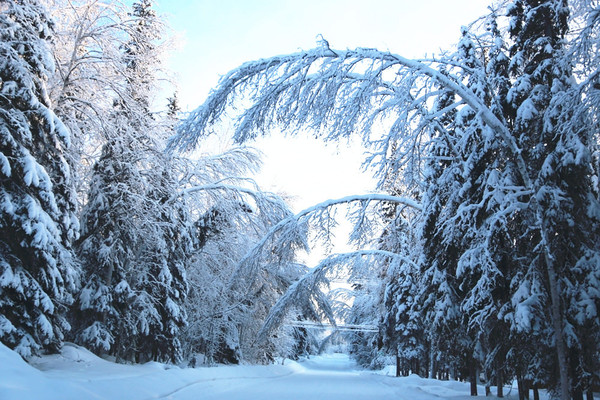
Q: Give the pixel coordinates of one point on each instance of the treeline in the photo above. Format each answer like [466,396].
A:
[503,278]
[107,239]
[492,270]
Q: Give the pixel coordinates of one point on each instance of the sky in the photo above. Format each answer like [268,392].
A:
[215,36]
[219,35]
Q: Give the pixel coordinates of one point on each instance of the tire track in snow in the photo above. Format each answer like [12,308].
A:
[206,380]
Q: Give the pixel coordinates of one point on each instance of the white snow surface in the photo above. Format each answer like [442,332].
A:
[78,374]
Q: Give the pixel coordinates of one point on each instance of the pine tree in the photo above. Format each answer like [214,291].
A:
[37,218]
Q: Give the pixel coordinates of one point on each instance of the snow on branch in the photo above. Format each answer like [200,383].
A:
[291,232]
[342,90]
[268,204]
[307,295]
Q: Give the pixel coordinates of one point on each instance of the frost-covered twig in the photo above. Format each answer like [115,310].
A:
[307,292]
[289,229]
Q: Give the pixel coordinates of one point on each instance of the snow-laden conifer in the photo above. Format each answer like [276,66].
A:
[136,233]
[37,214]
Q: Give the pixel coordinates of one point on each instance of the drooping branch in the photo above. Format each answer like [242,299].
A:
[269,206]
[339,89]
[307,291]
[291,229]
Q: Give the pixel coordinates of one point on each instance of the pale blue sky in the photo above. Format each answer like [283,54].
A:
[218,35]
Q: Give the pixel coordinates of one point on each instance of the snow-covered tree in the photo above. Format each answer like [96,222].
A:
[226,308]
[136,235]
[89,74]
[500,137]
[107,249]
[366,310]
[403,330]
[37,218]
[544,100]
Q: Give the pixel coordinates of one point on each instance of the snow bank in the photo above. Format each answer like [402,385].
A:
[19,380]
[78,374]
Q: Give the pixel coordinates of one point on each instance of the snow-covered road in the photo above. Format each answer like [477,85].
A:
[326,377]
[76,374]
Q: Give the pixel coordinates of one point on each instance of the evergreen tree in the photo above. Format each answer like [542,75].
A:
[403,331]
[37,218]
[167,244]
[556,144]
[439,295]
[104,316]
[136,231]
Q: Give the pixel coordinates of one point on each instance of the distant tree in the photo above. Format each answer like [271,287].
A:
[366,310]
[38,274]
[402,326]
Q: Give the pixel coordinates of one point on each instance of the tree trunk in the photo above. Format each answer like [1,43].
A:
[577,394]
[500,383]
[486,378]
[555,309]
[473,375]
[431,362]
[536,393]
[523,388]
[589,395]
[397,365]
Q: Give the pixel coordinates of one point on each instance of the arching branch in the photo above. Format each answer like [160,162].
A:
[288,230]
[307,291]
[336,89]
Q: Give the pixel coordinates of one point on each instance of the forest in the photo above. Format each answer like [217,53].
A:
[477,256]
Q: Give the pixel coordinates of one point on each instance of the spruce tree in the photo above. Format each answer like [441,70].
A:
[135,230]
[403,332]
[556,145]
[104,314]
[37,212]
[166,244]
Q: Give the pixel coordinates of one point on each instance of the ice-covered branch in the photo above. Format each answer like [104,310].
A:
[339,89]
[306,292]
[290,229]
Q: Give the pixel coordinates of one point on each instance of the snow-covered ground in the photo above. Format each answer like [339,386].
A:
[78,374]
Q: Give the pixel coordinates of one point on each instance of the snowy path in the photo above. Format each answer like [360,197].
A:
[329,377]
[76,374]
